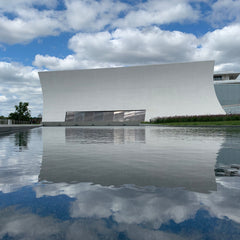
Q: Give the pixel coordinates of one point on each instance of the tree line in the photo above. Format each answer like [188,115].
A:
[22,113]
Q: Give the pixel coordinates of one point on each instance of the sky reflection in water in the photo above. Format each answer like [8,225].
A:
[119,183]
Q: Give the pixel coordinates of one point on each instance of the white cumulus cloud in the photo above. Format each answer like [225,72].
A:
[124,47]
[23,21]
[19,83]
[225,10]
[29,25]
[223,45]
[158,12]
[3,98]
[92,15]
[150,45]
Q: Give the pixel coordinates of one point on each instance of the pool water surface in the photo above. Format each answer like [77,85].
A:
[120,183]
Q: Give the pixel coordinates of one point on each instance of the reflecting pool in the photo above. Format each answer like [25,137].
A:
[120,183]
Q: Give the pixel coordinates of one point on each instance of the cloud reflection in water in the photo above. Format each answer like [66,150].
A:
[189,203]
[124,213]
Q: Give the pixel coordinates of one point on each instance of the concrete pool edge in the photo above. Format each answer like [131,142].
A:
[8,129]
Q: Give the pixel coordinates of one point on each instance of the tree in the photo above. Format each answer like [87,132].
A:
[22,113]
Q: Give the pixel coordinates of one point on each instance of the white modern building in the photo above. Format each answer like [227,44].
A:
[128,95]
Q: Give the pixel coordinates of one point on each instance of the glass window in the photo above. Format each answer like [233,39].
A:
[118,116]
[106,116]
[88,116]
[98,116]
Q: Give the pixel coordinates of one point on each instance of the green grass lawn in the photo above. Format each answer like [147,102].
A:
[214,123]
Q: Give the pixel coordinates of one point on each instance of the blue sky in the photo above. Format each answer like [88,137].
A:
[76,34]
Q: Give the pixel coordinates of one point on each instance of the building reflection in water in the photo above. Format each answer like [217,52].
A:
[105,135]
[228,158]
[229,153]
[160,157]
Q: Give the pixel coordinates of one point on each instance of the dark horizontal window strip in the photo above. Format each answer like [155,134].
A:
[105,116]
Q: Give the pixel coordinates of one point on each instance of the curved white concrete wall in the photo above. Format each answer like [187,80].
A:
[228,93]
[163,90]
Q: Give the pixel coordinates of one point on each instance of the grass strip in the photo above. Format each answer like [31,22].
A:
[208,123]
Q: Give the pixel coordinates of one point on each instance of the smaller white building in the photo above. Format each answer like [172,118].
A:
[225,76]
[227,87]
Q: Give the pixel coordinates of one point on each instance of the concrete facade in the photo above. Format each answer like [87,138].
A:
[228,93]
[161,90]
